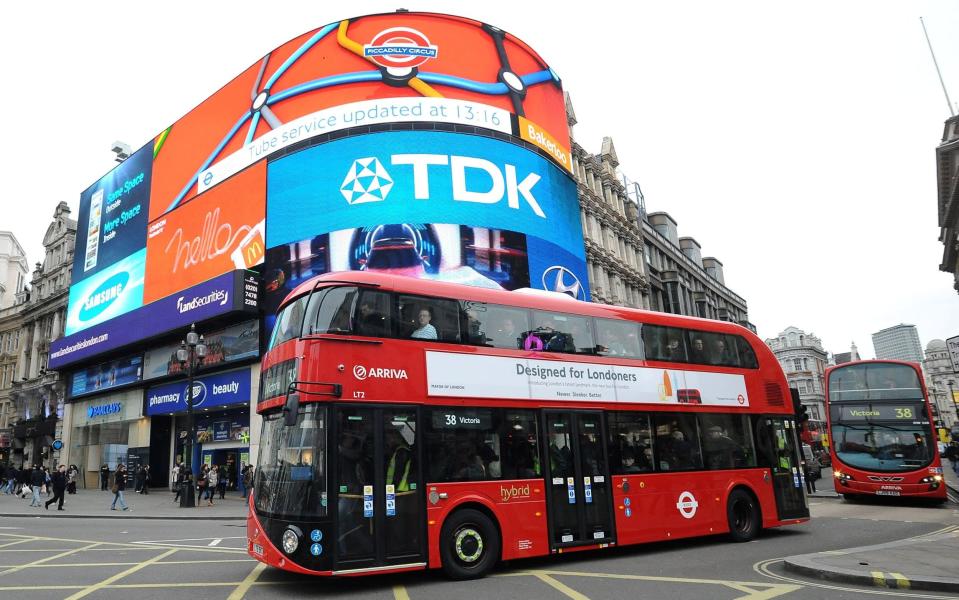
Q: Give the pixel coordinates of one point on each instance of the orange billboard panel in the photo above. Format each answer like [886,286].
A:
[376,69]
[222,230]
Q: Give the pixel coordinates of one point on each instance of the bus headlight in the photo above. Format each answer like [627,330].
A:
[291,539]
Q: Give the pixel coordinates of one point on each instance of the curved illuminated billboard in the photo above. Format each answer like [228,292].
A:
[387,68]
[447,206]
[422,144]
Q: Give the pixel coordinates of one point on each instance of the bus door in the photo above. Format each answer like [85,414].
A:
[380,513]
[577,476]
[778,441]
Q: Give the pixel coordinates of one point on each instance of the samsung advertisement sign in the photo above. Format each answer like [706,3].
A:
[210,391]
[224,294]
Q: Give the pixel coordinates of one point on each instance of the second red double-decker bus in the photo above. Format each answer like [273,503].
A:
[412,424]
[881,433]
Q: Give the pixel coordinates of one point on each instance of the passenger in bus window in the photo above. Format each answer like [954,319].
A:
[721,452]
[697,353]
[506,335]
[629,462]
[370,321]
[721,354]
[674,350]
[425,331]
[474,333]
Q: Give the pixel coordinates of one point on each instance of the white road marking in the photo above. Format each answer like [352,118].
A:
[215,542]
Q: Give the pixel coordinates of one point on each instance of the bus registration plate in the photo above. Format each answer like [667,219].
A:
[887,493]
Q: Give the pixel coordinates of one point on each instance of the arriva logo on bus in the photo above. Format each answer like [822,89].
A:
[361,373]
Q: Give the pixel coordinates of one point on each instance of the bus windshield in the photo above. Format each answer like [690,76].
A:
[874,381]
[883,447]
[291,477]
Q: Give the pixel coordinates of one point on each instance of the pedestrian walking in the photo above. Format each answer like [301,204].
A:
[72,473]
[104,477]
[247,479]
[201,483]
[59,483]
[145,486]
[36,483]
[212,481]
[119,485]
[11,478]
[807,475]
[47,481]
[223,479]
[175,477]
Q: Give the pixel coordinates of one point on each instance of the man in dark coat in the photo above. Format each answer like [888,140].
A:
[37,480]
[59,482]
[104,477]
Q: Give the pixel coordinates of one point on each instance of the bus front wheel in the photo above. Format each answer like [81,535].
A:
[742,511]
[469,544]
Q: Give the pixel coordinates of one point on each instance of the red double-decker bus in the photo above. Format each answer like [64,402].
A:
[881,432]
[412,424]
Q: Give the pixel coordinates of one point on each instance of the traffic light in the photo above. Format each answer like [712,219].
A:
[799,409]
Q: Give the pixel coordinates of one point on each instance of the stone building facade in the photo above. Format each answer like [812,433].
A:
[804,360]
[947,171]
[941,382]
[638,260]
[36,393]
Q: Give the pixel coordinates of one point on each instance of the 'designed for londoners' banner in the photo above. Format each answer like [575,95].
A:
[465,375]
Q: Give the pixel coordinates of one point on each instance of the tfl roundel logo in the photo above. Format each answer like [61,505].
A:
[400,49]
[359,371]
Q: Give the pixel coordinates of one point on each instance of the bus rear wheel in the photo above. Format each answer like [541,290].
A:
[742,511]
[469,544]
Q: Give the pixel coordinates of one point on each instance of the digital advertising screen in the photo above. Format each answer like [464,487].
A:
[446,206]
[235,343]
[114,291]
[104,376]
[220,231]
[375,69]
[112,223]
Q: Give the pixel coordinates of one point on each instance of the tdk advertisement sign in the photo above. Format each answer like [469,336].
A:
[432,205]
[212,391]
[420,177]
[112,222]
[110,293]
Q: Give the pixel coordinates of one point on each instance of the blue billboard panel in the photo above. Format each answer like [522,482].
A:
[106,375]
[113,291]
[210,391]
[230,292]
[420,177]
[112,223]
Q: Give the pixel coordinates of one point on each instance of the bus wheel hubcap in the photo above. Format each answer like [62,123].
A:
[469,545]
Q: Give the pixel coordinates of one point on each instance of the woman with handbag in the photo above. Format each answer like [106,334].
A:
[201,482]
[119,484]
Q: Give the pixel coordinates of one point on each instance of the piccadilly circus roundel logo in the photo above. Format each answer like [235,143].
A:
[400,49]
[560,279]
[359,371]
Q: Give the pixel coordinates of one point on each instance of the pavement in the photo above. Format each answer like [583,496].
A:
[158,504]
[926,562]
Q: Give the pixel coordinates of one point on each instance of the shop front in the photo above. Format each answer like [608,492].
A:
[221,409]
[108,429]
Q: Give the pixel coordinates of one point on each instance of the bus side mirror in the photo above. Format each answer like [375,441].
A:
[291,408]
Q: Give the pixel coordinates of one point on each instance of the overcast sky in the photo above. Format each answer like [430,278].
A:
[795,141]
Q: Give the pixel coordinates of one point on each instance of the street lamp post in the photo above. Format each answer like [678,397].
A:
[190,350]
